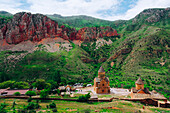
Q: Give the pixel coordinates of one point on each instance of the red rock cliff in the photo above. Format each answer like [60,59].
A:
[34,27]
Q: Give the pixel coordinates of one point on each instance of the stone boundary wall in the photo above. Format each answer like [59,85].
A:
[148,101]
[37,98]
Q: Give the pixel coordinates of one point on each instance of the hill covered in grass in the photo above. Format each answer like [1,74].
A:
[142,49]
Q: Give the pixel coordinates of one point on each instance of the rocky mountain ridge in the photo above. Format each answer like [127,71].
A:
[26,26]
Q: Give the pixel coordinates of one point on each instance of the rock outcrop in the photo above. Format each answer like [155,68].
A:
[152,15]
[26,26]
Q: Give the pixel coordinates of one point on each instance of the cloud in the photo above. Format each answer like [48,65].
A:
[12,6]
[104,9]
[73,7]
[144,4]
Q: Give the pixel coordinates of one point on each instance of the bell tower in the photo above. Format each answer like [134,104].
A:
[139,84]
[101,73]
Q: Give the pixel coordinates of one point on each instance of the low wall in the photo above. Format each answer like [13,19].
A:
[166,105]
[37,98]
[147,101]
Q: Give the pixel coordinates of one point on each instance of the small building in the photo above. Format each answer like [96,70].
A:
[101,83]
[139,89]
[139,92]
[62,88]
[67,88]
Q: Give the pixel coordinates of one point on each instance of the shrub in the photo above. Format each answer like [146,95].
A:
[21,85]
[32,105]
[84,98]
[2,108]
[44,93]
[29,99]
[54,110]
[30,93]
[17,94]
[41,84]
[52,105]
[58,91]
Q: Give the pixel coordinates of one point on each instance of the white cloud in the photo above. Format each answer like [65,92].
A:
[144,4]
[72,7]
[11,6]
[104,9]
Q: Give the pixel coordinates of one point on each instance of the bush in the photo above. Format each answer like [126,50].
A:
[44,93]
[2,108]
[29,99]
[52,105]
[41,84]
[84,98]
[17,94]
[54,110]
[30,93]
[58,91]
[21,85]
[32,105]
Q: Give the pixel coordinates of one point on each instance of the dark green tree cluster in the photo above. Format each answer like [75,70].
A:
[84,98]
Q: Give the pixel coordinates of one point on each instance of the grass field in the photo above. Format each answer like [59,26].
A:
[116,106]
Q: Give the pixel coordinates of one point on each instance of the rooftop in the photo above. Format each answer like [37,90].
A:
[101,69]
[139,81]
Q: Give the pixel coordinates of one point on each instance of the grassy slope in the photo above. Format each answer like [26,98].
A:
[80,21]
[64,106]
[145,40]
[42,64]
[5,17]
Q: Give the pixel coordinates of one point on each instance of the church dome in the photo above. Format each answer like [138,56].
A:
[101,69]
[139,81]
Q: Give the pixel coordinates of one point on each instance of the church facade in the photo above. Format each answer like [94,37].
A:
[101,83]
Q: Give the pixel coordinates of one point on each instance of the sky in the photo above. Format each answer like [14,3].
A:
[103,9]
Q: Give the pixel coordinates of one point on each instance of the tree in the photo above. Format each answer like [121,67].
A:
[41,84]
[58,91]
[7,84]
[17,94]
[32,105]
[84,98]
[54,84]
[63,81]
[44,93]
[30,93]
[52,105]
[21,85]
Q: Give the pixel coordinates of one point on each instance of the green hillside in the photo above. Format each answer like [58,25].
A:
[4,17]
[80,21]
[141,50]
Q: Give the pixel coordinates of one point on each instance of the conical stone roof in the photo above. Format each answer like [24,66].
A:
[139,81]
[101,69]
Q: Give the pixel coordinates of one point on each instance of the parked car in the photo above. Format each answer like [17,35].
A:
[89,85]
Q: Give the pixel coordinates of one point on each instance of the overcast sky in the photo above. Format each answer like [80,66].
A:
[103,9]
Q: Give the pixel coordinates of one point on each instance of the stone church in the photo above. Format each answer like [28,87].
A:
[101,83]
[139,92]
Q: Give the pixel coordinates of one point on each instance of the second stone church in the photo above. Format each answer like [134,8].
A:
[101,83]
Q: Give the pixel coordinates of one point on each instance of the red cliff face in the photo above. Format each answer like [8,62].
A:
[25,26]
[88,34]
[35,27]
